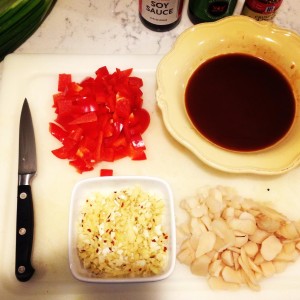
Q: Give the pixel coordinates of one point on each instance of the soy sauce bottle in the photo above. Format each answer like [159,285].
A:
[210,10]
[160,15]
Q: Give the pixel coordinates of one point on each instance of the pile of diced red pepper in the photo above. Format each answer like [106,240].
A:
[99,119]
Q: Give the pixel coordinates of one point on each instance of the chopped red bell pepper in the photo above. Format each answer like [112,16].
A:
[106,172]
[99,119]
[63,81]
[58,132]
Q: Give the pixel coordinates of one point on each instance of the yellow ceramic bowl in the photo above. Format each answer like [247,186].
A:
[237,34]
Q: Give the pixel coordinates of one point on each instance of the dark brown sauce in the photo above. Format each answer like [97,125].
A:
[240,102]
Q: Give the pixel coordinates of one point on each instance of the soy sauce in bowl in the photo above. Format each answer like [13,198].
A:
[240,102]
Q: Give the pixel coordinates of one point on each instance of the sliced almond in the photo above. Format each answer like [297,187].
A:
[218,283]
[228,213]
[227,258]
[254,286]
[280,266]
[197,226]
[251,249]
[258,260]
[216,267]
[267,224]
[253,266]
[268,269]
[199,211]
[214,202]
[186,256]
[231,275]
[270,248]
[287,257]
[206,220]
[194,241]
[272,213]
[240,241]
[247,216]
[236,260]
[206,243]
[221,229]
[247,270]
[289,247]
[259,236]
[189,203]
[244,226]
[288,231]
[200,265]
[220,244]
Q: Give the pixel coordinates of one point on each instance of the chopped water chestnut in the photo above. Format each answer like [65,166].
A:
[117,238]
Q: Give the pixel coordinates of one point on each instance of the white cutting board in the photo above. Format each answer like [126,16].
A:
[35,77]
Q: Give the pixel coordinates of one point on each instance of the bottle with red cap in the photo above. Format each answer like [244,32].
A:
[261,10]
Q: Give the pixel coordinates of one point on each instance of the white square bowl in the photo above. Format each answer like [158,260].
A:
[106,185]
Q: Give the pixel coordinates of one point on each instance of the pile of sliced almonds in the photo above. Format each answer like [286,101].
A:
[235,241]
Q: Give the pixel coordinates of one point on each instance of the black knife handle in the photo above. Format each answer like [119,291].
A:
[24,234]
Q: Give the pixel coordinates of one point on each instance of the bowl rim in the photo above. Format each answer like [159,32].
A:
[130,180]
[250,26]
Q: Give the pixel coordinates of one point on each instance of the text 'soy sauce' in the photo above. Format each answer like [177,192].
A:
[240,102]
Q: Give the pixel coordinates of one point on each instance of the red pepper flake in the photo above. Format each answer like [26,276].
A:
[122,204]
[89,230]
[165,249]
[97,250]
[153,241]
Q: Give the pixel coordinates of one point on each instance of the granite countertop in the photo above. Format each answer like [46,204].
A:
[113,27]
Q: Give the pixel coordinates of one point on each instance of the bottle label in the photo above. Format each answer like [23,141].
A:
[261,10]
[160,12]
[264,6]
[212,10]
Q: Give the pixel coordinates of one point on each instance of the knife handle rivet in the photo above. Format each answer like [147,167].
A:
[21,269]
[22,231]
[23,195]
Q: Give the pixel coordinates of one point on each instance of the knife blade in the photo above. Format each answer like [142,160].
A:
[25,218]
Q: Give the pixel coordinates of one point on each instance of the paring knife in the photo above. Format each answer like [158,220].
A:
[25,218]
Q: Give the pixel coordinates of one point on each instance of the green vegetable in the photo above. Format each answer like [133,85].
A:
[18,21]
